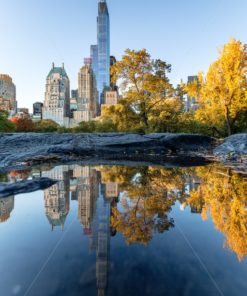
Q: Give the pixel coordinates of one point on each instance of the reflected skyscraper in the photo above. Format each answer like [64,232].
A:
[56,197]
[87,194]
[6,207]
[100,241]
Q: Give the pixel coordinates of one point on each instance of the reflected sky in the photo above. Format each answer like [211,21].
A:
[115,230]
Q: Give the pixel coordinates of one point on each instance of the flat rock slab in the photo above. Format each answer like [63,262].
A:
[19,149]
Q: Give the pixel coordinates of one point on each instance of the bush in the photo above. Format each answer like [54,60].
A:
[106,126]
[5,124]
[25,125]
[85,127]
[46,126]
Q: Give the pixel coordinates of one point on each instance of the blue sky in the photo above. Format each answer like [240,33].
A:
[186,33]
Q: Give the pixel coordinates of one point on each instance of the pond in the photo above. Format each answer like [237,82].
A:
[123,230]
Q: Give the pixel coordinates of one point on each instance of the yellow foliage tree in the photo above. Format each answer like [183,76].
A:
[222,94]
[144,84]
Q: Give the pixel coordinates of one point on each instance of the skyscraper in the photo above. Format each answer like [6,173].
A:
[7,94]
[87,101]
[37,110]
[113,85]
[191,103]
[94,58]
[57,96]
[103,37]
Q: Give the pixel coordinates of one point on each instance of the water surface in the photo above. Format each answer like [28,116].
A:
[117,230]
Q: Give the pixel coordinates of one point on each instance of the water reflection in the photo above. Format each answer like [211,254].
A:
[137,202]
[6,207]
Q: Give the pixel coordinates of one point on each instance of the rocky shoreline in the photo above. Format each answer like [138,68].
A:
[22,150]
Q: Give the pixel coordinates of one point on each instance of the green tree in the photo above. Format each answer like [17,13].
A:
[46,125]
[5,124]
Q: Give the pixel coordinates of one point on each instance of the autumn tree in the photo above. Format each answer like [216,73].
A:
[5,124]
[144,84]
[25,125]
[222,93]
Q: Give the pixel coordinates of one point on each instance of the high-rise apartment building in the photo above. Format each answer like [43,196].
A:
[103,37]
[87,101]
[7,94]
[191,103]
[74,94]
[57,96]
[37,110]
[113,85]
[94,59]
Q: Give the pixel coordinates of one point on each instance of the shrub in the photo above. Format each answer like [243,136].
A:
[5,124]
[25,125]
[46,126]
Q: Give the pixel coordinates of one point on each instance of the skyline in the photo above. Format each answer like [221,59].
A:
[33,38]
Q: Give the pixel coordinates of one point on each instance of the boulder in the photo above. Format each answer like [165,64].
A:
[233,147]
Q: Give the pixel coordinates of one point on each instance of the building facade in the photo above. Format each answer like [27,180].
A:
[7,94]
[37,110]
[103,37]
[113,85]
[57,96]
[87,101]
[23,112]
[110,98]
[94,58]
[191,103]
[74,94]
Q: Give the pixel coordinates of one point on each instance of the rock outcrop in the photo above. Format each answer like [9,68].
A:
[233,151]
[233,146]
[26,149]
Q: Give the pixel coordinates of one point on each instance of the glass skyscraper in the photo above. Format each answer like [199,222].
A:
[94,59]
[103,25]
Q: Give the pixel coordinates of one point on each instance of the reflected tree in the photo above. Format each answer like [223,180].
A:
[148,196]
[222,193]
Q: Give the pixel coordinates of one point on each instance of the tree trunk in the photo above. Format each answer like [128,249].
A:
[144,115]
[145,120]
[228,121]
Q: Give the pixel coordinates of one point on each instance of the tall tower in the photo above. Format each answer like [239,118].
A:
[87,101]
[57,96]
[103,26]
[94,58]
